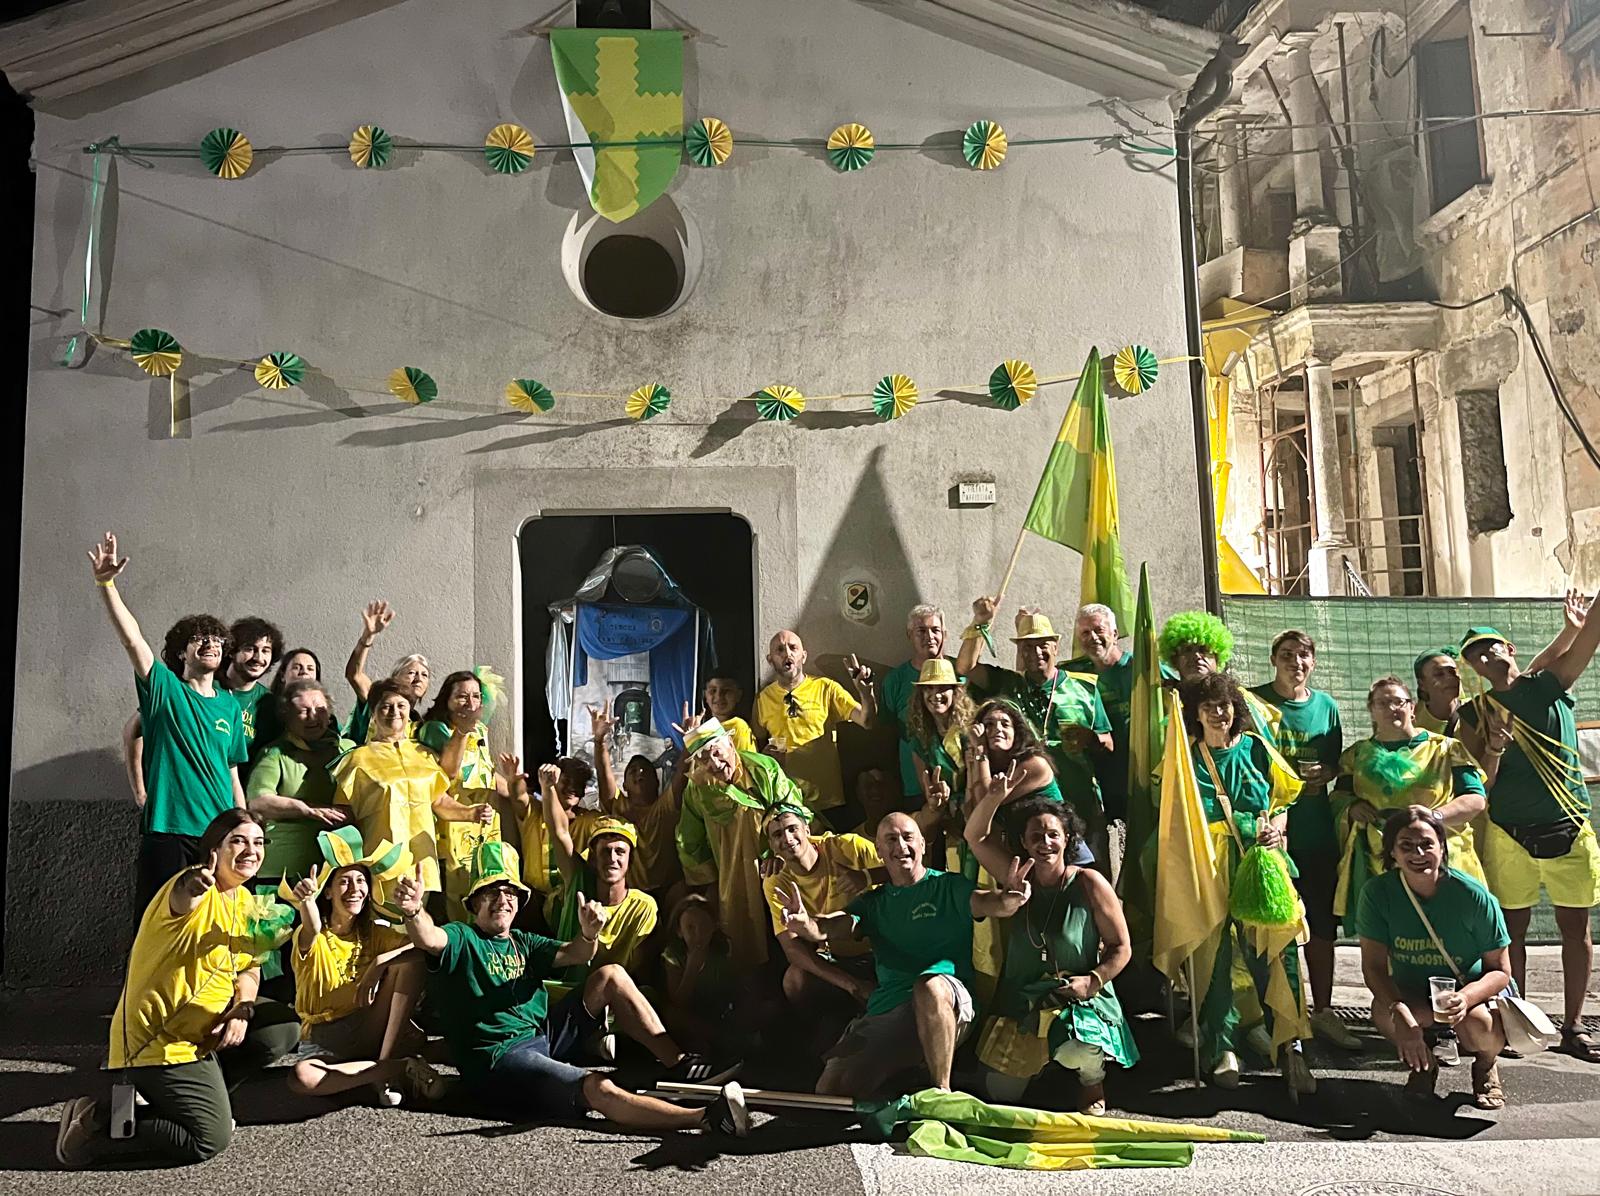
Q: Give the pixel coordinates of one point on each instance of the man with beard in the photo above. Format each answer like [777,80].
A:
[1540,832]
[925,630]
[256,644]
[192,725]
[1100,643]
[488,982]
[920,927]
[795,720]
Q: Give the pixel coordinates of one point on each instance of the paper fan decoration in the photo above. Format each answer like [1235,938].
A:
[708,142]
[1135,369]
[649,401]
[508,148]
[227,153]
[411,385]
[157,353]
[1012,384]
[850,147]
[280,371]
[894,395]
[983,145]
[370,147]
[780,403]
[524,394]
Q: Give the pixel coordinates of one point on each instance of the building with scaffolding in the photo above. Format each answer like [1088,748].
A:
[1398,237]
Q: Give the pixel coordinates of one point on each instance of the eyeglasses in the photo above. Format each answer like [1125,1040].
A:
[207,641]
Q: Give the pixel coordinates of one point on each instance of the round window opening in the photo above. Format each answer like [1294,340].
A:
[640,269]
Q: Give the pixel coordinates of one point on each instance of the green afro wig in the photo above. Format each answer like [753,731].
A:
[1196,627]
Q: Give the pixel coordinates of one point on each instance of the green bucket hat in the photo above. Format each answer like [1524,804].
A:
[496,863]
[342,848]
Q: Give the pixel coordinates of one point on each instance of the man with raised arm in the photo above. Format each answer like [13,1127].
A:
[920,927]
[193,732]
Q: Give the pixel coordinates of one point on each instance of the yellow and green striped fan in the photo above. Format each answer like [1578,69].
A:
[155,352]
[649,401]
[370,147]
[779,403]
[1012,384]
[411,385]
[984,145]
[894,395]
[1135,369]
[851,146]
[508,149]
[227,153]
[280,371]
[708,142]
[524,394]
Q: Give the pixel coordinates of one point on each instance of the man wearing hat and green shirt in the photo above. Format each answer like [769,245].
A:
[925,630]
[1064,707]
[1539,833]
[488,982]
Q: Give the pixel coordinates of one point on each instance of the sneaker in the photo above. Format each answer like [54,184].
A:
[424,1083]
[1258,1041]
[1226,1073]
[605,1047]
[727,1114]
[697,1069]
[1296,1074]
[1328,1026]
[388,1097]
[77,1133]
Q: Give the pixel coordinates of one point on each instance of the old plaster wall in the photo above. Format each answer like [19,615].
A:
[302,505]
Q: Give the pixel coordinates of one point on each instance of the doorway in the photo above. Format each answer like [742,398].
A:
[710,555]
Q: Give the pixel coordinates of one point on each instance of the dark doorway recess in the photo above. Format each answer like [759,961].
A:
[709,554]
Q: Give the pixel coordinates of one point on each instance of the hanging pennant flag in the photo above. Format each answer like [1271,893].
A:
[623,87]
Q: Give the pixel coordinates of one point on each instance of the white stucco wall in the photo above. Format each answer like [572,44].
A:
[302,506]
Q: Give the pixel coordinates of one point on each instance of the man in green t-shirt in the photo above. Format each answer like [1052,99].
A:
[1311,739]
[195,740]
[291,784]
[1103,655]
[256,644]
[925,630]
[920,927]
[488,984]
[1539,833]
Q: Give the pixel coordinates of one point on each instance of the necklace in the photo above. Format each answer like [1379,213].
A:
[1042,943]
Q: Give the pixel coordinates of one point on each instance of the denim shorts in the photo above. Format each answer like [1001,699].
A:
[535,1074]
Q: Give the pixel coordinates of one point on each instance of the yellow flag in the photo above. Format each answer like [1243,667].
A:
[1191,892]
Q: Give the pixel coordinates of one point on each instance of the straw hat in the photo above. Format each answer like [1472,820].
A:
[938,671]
[1034,627]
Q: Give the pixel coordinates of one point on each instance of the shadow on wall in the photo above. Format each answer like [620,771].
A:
[69,916]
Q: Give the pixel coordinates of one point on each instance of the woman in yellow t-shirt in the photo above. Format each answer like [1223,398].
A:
[395,789]
[188,1026]
[356,982]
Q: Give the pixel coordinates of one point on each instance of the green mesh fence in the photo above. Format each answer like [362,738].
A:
[1362,639]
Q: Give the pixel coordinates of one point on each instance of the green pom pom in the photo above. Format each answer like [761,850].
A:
[1263,894]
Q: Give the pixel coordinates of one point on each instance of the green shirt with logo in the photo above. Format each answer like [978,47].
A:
[1309,732]
[1067,712]
[490,992]
[191,745]
[1518,796]
[1115,687]
[250,703]
[916,930]
[1465,914]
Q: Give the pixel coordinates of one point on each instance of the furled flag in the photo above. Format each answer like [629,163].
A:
[623,87]
[1076,502]
[1136,882]
[1191,891]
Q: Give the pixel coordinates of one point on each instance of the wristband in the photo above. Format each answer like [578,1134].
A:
[587,939]
[108,582]
[974,630]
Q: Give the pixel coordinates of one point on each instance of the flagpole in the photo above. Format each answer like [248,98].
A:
[1016,553]
[1194,1017]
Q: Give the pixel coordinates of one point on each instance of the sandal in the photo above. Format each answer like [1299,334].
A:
[1092,1100]
[1420,1084]
[1578,1044]
[1486,1090]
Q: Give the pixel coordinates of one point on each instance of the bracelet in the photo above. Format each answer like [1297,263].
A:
[587,939]
[974,630]
[108,582]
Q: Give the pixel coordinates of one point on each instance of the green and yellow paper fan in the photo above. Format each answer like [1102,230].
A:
[851,146]
[157,353]
[227,153]
[524,394]
[708,142]
[983,145]
[1012,384]
[649,401]
[370,147]
[280,371]
[1135,369]
[411,385]
[508,149]
[780,403]
[894,395]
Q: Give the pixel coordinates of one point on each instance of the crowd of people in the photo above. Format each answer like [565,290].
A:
[386,874]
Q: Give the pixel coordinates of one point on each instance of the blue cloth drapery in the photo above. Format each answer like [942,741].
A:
[666,633]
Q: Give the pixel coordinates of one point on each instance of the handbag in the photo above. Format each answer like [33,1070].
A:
[1547,840]
[1261,890]
[1528,1029]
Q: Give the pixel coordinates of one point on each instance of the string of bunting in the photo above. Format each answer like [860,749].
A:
[509,149]
[1010,385]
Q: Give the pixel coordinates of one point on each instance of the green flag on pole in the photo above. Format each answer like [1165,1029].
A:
[1076,502]
[624,87]
[1145,742]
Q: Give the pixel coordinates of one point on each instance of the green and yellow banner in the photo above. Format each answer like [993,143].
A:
[622,91]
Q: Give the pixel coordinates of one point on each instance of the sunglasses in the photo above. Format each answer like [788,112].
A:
[791,705]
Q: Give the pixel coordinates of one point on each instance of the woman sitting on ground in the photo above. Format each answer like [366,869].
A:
[356,982]
[1423,919]
[188,1027]
[1054,1002]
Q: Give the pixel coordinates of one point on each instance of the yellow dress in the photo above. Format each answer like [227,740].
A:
[390,789]
[474,785]
[1392,777]
[325,976]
